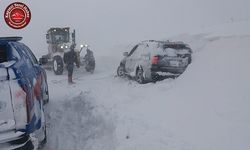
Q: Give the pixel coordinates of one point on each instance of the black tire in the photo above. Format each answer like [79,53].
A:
[58,65]
[139,76]
[155,77]
[90,67]
[42,143]
[46,100]
[189,59]
[121,71]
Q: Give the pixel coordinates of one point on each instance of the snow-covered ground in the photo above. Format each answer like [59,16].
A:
[206,108]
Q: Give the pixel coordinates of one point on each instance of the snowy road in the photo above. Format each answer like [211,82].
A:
[100,112]
[206,108]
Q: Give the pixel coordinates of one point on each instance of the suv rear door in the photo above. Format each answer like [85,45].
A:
[34,77]
[6,106]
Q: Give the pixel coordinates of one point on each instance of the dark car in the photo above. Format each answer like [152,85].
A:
[23,93]
[150,59]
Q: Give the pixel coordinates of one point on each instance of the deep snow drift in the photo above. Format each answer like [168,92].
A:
[206,108]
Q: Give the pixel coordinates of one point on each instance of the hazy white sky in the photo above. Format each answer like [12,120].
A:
[105,23]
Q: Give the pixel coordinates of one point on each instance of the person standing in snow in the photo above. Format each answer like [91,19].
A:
[69,59]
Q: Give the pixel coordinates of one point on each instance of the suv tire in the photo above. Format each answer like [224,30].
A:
[121,71]
[139,76]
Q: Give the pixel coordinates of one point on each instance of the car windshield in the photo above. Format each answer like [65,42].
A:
[59,38]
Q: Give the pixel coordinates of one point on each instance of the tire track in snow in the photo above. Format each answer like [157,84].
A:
[76,124]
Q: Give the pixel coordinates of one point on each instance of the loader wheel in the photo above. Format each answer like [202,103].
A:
[58,65]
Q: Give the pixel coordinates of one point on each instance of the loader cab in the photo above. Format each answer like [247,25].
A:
[58,35]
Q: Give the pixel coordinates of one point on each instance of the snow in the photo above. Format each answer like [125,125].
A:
[206,108]
[7,64]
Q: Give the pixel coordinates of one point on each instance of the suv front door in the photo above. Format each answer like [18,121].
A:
[135,58]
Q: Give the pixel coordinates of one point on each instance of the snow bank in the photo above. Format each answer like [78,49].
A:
[208,105]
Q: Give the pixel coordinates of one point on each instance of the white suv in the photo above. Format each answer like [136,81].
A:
[150,59]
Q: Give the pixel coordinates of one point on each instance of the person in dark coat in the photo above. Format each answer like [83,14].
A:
[69,59]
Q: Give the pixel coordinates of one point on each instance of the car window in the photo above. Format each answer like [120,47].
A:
[15,54]
[31,55]
[133,50]
[139,51]
[175,46]
[26,52]
[3,53]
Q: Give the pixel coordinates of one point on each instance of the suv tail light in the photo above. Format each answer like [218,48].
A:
[154,60]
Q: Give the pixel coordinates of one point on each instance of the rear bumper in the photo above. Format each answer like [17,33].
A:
[15,141]
[168,69]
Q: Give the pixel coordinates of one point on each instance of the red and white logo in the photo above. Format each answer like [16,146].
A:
[17,15]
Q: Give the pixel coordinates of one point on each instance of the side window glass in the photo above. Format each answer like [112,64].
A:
[21,49]
[3,53]
[31,55]
[15,54]
[139,51]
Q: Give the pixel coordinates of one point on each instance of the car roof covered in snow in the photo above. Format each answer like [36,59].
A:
[12,38]
[165,42]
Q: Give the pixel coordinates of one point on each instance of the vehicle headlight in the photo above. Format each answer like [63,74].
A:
[61,47]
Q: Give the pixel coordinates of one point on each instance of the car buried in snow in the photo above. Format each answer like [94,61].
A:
[23,93]
[151,60]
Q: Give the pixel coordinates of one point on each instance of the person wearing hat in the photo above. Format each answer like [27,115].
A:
[69,59]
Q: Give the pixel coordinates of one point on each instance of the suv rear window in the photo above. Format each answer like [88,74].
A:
[175,46]
[3,53]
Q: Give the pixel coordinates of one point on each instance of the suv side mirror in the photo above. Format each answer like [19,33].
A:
[125,54]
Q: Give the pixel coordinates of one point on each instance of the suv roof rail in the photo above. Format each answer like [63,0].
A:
[11,38]
[155,41]
[149,41]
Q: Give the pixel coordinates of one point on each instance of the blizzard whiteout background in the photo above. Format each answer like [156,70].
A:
[106,23]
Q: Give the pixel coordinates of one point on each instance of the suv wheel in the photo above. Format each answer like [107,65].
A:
[42,136]
[189,60]
[42,143]
[121,71]
[139,76]
[58,65]
[46,94]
